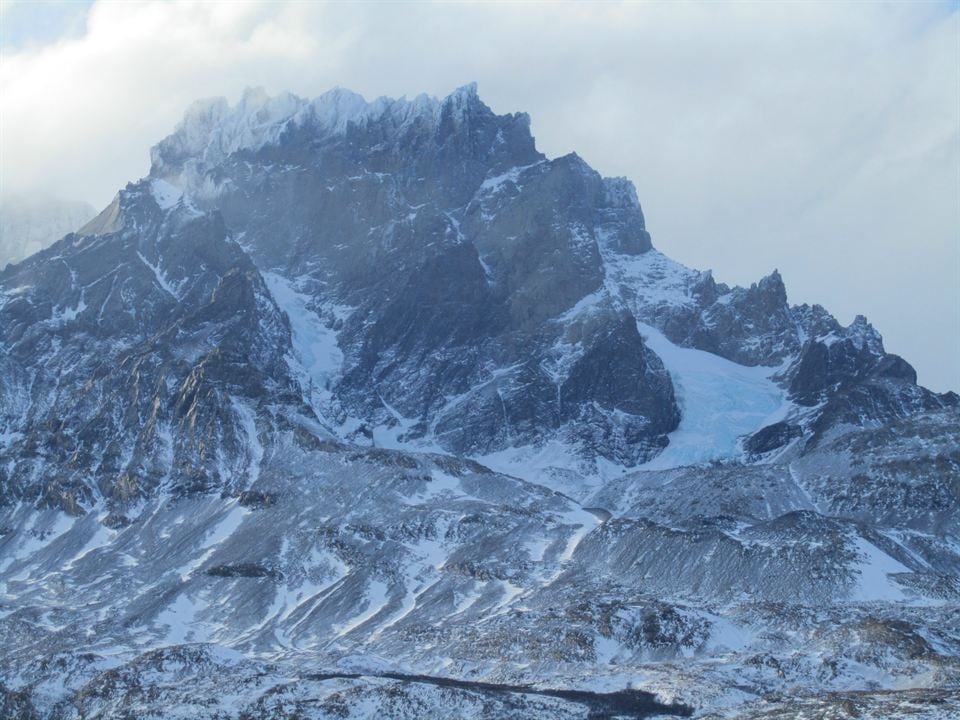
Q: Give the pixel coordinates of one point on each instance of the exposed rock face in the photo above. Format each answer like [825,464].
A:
[137,359]
[770,438]
[454,248]
[345,381]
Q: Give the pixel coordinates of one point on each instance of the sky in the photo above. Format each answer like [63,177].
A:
[818,138]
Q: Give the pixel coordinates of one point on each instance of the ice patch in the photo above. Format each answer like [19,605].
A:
[720,402]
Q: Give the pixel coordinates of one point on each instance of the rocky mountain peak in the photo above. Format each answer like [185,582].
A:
[862,334]
[772,286]
[512,282]
[465,100]
[342,381]
[621,193]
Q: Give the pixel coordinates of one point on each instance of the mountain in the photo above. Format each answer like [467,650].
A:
[364,409]
[29,223]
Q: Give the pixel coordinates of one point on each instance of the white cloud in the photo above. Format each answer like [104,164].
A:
[820,138]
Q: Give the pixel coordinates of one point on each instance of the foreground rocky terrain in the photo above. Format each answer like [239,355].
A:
[369,409]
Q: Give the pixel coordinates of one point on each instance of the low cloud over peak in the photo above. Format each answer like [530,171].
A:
[818,138]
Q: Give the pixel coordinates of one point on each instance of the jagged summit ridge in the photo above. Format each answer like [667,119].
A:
[212,129]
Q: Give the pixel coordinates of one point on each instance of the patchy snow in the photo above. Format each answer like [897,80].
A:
[726,634]
[431,553]
[555,465]
[509,592]
[720,402]
[468,599]
[647,280]
[536,547]
[441,485]
[391,437]
[227,525]
[41,532]
[290,598]
[407,605]
[454,401]
[101,537]
[492,185]
[8,438]
[606,648]
[182,622]
[64,315]
[212,129]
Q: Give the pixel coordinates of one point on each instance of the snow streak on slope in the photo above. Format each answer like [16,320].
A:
[43,528]
[314,343]
[376,596]
[720,401]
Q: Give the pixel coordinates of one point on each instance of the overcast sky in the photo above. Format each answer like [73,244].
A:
[822,139]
